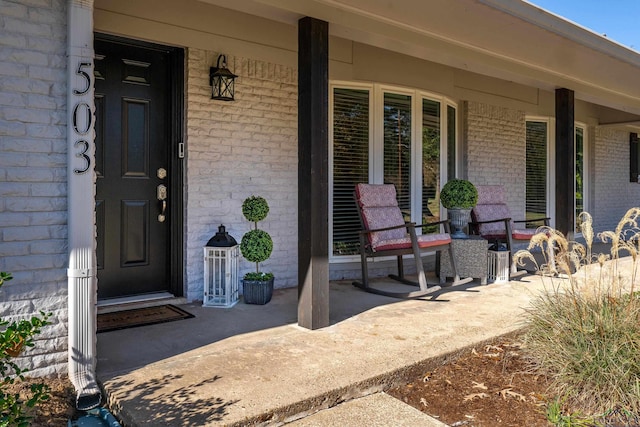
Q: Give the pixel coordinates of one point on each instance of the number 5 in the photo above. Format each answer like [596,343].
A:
[85,75]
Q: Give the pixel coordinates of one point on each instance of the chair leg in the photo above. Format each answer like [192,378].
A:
[513,267]
[363,267]
[400,267]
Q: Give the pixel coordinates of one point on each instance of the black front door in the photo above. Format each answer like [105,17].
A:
[134,166]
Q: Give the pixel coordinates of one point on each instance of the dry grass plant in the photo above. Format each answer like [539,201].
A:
[584,330]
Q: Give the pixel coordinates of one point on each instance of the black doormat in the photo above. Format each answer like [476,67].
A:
[140,317]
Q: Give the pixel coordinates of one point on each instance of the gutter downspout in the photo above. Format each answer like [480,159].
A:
[82,287]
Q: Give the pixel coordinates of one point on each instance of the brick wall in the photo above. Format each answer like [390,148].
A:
[496,141]
[613,193]
[33,163]
[238,149]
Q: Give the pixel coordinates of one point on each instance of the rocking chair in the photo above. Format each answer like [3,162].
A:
[491,219]
[385,233]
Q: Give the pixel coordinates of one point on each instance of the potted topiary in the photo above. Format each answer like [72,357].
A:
[256,246]
[459,196]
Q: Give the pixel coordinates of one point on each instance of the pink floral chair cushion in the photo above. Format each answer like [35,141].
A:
[491,195]
[488,212]
[379,208]
[492,205]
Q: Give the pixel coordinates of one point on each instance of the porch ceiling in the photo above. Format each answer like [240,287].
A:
[511,40]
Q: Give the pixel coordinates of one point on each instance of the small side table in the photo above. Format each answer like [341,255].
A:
[471,259]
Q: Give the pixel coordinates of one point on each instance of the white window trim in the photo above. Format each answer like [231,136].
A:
[585,169]
[551,164]
[376,143]
[356,86]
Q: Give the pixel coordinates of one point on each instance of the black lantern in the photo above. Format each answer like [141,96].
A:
[222,239]
[222,81]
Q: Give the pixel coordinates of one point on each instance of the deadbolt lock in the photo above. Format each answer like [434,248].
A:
[162,173]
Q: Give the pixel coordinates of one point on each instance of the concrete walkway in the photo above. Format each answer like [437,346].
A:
[253,365]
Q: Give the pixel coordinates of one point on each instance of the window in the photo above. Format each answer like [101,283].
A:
[430,193]
[383,135]
[536,169]
[350,163]
[397,148]
[633,157]
[579,171]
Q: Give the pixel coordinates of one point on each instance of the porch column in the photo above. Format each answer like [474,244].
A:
[565,162]
[81,273]
[313,174]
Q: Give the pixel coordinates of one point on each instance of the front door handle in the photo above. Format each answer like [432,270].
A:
[162,197]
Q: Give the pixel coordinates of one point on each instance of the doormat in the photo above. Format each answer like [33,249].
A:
[140,317]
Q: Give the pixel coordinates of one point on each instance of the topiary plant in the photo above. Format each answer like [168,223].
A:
[256,245]
[459,193]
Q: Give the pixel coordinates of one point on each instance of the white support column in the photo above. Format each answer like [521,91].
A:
[82,286]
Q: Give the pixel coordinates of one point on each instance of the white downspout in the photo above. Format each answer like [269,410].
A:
[82,288]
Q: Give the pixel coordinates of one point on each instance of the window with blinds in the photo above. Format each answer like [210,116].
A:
[580,175]
[397,148]
[350,164]
[430,161]
[452,137]
[536,170]
[379,137]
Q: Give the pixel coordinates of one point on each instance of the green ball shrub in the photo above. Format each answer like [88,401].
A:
[255,208]
[459,193]
[256,245]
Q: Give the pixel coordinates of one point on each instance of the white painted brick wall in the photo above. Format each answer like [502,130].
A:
[613,193]
[238,149]
[33,200]
[496,141]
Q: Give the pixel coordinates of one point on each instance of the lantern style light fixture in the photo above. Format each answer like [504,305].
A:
[222,81]
[221,270]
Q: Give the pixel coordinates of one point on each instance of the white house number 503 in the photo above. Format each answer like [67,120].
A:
[82,118]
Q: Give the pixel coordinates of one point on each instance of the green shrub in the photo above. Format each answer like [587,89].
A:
[14,336]
[255,208]
[256,245]
[258,277]
[584,330]
[459,193]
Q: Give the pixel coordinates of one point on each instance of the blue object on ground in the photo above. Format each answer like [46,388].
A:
[99,417]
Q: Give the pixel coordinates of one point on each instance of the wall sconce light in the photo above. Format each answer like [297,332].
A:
[222,81]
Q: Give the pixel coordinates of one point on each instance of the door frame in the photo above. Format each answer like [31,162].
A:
[176,154]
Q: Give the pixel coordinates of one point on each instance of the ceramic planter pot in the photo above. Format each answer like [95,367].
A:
[257,291]
[459,219]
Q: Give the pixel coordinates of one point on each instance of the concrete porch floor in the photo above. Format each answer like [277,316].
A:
[253,365]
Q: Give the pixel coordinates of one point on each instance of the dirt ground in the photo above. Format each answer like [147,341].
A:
[58,409]
[486,387]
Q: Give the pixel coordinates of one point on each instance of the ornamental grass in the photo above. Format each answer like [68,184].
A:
[583,331]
